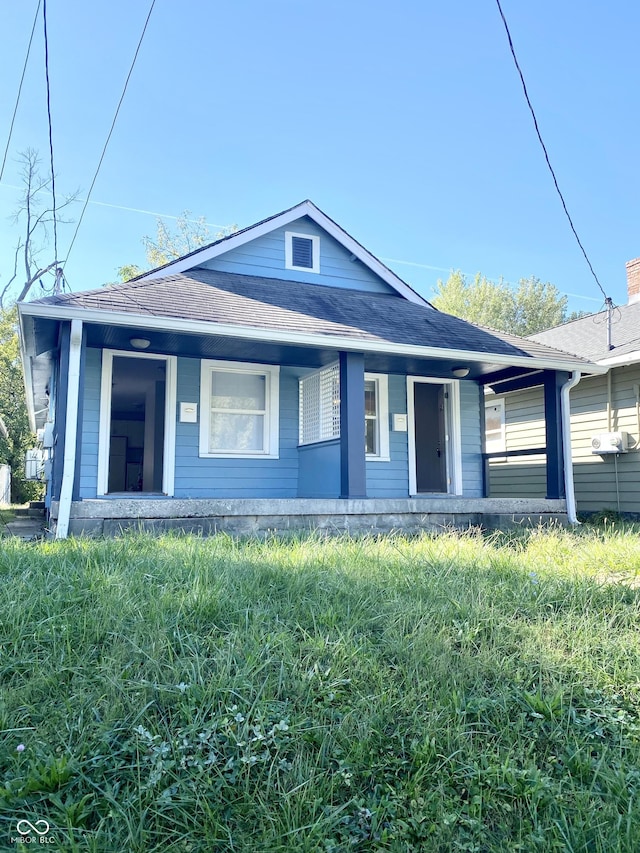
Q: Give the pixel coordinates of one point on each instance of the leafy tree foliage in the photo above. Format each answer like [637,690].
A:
[529,308]
[189,234]
[13,410]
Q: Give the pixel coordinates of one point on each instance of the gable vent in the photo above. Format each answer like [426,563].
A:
[302,252]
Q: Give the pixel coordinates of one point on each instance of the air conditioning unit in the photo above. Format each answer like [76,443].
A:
[609,442]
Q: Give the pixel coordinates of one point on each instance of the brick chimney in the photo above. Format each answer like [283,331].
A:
[633,280]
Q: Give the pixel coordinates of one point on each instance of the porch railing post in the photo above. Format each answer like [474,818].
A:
[353,481]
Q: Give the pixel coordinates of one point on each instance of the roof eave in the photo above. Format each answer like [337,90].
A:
[620,360]
[26,372]
[204,327]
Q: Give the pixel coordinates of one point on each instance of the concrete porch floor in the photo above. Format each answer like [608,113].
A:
[110,517]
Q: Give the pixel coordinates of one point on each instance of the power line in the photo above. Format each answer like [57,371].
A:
[546,155]
[53,174]
[24,70]
[104,150]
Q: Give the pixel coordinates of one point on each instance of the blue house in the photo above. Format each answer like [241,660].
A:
[280,377]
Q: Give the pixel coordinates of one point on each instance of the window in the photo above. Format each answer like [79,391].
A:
[376,416]
[301,252]
[239,405]
[320,410]
[494,426]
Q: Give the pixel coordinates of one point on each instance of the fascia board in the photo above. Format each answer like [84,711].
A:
[306,208]
[201,327]
[620,360]
[26,372]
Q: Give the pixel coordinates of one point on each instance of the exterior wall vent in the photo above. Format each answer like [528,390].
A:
[301,252]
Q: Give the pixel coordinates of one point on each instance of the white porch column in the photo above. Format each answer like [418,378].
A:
[69,464]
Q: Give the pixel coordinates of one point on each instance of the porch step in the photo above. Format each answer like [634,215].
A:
[26,528]
[30,511]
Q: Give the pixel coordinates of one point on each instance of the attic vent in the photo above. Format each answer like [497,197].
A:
[302,252]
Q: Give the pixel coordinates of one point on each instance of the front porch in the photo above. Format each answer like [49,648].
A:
[112,516]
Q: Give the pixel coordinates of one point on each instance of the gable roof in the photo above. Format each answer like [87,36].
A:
[587,336]
[252,307]
[306,208]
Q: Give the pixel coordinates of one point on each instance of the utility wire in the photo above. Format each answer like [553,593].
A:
[546,155]
[15,109]
[104,150]
[53,174]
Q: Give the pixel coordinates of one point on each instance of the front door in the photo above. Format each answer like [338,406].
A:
[136,447]
[429,425]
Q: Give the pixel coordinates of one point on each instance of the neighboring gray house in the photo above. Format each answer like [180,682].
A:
[605,414]
[280,377]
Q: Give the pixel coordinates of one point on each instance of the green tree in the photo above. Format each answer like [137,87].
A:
[188,235]
[529,308]
[13,410]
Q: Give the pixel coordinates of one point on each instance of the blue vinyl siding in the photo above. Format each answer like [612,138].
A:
[319,470]
[311,471]
[470,399]
[235,478]
[391,479]
[264,256]
[90,424]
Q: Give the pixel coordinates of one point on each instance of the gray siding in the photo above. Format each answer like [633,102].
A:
[235,478]
[471,444]
[607,482]
[90,424]
[264,256]
[601,482]
[522,477]
[391,479]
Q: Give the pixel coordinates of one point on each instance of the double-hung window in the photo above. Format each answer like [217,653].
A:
[376,417]
[239,405]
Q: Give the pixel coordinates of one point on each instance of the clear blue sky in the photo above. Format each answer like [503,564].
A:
[406,123]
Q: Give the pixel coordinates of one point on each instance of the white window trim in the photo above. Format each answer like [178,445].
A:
[104,434]
[272,408]
[288,251]
[382,417]
[453,434]
[497,401]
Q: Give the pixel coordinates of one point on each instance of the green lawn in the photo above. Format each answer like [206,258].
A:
[451,693]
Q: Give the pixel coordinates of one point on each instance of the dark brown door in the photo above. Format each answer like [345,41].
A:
[429,425]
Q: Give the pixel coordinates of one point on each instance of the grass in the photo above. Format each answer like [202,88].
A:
[450,693]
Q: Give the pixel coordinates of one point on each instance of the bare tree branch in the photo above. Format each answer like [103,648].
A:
[35,216]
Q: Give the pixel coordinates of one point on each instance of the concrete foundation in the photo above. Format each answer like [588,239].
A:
[251,517]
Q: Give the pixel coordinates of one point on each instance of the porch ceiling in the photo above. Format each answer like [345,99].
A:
[293,355]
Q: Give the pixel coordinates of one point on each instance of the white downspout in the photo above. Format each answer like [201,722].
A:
[71,431]
[565,408]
